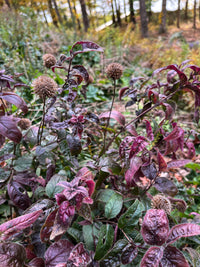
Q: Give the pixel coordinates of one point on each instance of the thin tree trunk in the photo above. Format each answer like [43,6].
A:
[53,13]
[113,13]
[118,13]
[163,19]
[186,10]
[8,3]
[57,11]
[143,18]
[125,11]
[76,15]
[45,17]
[132,13]
[72,14]
[84,15]
[178,14]
[195,14]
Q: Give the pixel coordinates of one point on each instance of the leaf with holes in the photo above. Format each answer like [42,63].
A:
[105,241]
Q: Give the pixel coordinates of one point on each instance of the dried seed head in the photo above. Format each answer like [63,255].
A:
[91,79]
[161,202]
[24,124]
[181,206]
[114,71]
[44,87]
[49,60]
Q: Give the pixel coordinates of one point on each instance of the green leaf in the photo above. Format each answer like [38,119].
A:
[52,188]
[131,217]
[75,234]
[23,163]
[105,241]
[113,206]
[105,194]
[113,258]
[91,234]
[193,166]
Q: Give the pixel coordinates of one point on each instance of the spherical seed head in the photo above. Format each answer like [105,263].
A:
[161,202]
[181,206]
[24,124]
[49,60]
[44,86]
[114,71]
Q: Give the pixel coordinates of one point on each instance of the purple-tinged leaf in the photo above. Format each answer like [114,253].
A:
[131,129]
[169,112]
[177,163]
[71,95]
[135,79]
[2,140]
[85,46]
[13,226]
[170,76]
[50,172]
[195,68]
[155,227]
[57,67]
[129,254]
[9,129]
[79,256]
[6,157]
[176,133]
[74,144]
[62,59]
[166,186]
[114,115]
[161,162]
[135,164]
[12,255]
[149,131]
[173,257]
[182,230]
[80,70]
[124,148]
[180,204]
[150,171]
[63,219]
[154,94]
[182,76]
[47,227]
[138,145]
[85,212]
[58,253]
[36,262]
[18,195]
[122,91]
[191,150]
[152,257]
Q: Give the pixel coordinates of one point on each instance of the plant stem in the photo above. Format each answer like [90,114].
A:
[40,132]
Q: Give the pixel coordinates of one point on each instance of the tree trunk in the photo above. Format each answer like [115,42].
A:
[143,18]
[178,14]
[53,13]
[132,14]
[125,11]
[195,14]
[76,15]
[84,15]
[118,13]
[186,10]
[57,11]
[8,3]
[113,13]
[163,19]
[199,9]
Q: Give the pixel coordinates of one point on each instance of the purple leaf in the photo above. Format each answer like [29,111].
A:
[2,140]
[155,227]
[15,100]
[173,257]
[176,133]
[63,219]
[152,257]
[74,144]
[36,262]
[124,148]
[161,162]
[149,131]
[177,163]
[138,145]
[12,255]
[129,254]
[191,150]
[79,256]
[85,46]
[13,226]
[131,129]
[169,112]
[122,91]
[80,70]
[166,186]
[195,68]
[170,76]
[57,67]
[114,115]
[58,253]
[18,195]
[149,171]
[47,227]
[6,157]
[135,164]
[9,129]
[183,230]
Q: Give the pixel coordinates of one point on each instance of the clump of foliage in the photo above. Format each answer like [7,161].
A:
[77,187]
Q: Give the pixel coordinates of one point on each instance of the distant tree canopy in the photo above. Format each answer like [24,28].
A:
[86,14]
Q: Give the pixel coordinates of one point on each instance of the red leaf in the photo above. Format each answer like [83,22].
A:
[183,230]
[135,164]
[131,129]
[12,255]
[80,70]
[169,112]
[138,145]
[178,163]
[155,227]
[149,131]
[195,68]
[79,256]
[85,174]
[36,262]
[175,134]
[191,150]
[58,253]
[15,100]
[9,129]
[114,115]
[173,257]
[122,91]
[161,162]
[16,225]
[152,257]
[85,46]
[47,227]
